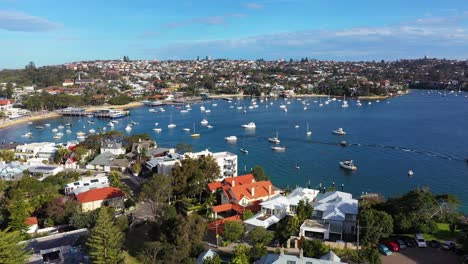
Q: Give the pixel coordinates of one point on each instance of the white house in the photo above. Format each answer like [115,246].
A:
[44,171]
[339,210]
[31,222]
[163,165]
[276,208]
[113,147]
[36,150]
[226,161]
[86,184]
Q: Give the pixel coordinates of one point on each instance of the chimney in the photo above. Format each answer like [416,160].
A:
[253,191]
[269,189]
[233,183]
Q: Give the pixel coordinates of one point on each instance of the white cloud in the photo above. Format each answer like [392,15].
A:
[19,21]
[254,5]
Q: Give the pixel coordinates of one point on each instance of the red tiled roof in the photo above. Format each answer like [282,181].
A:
[31,220]
[219,224]
[239,180]
[99,194]
[213,186]
[227,207]
[6,102]
[261,189]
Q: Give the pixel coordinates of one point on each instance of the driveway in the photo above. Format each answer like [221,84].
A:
[422,255]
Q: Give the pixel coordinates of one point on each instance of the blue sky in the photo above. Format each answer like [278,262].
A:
[58,31]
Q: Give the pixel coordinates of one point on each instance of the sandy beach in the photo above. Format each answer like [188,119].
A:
[35,116]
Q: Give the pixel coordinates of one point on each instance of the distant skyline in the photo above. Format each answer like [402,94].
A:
[55,32]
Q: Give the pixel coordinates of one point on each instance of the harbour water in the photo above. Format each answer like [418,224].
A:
[422,131]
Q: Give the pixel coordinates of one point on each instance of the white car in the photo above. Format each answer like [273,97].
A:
[420,241]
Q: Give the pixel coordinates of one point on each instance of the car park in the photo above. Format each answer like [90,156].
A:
[401,243]
[392,246]
[384,250]
[420,241]
[410,242]
[448,245]
[434,244]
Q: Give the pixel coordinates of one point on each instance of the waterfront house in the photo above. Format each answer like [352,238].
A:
[279,206]
[335,212]
[241,192]
[36,150]
[5,105]
[113,147]
[96,198]
[226,161]
[163,165]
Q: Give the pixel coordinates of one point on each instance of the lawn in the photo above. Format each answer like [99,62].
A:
[443,233]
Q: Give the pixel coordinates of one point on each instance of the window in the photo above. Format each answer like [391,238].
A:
[349,217]
[291,262]
[308,262]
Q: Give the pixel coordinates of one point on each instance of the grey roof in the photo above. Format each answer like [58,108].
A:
[157,151]
[120,163]
[103,159]
[331,256]
[335,205]
[283,259]
[111,145]
[57,240]
[42,169]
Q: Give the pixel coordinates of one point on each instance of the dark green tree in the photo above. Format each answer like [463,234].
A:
[216,259]
[241,254]
[261,236]
[376,225]
[314,248]
[259,173]
[157,192]
[106,240]
[233,231]
[11,252]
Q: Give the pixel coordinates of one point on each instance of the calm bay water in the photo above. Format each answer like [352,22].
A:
[422,131]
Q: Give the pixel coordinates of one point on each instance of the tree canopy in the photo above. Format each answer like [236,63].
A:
[10,251]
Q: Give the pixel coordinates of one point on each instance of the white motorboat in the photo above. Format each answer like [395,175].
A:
[68,131]
[171,125]
[231,139]
[39,127]
[110,124]
[60,127]
[207,111]
[278,148]
[410,173]
[115,121]
[157,129]
[184,111]
[204,122]
[244,151]
[214,105]
[57,136]
[348,164]
[339,131]
[47,125]
[152,110]
[274,139]
[90,122]
[55,130]
[296,126]
[162,109]
[282,106]
[68,124]
[28,135]
[250,125]
[128,128]
[186,129]
[209,126]
[202,108]
[358,103]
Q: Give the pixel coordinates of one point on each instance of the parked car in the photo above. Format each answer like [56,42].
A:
[420,241]
[393,246]
[434,244]
[384,250]
[410,242]
[401,244]
[448,245]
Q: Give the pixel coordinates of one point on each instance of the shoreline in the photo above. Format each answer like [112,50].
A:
[36,116]
[373,97]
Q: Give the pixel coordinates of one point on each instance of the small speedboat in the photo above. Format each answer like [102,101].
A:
[60,127]
[55,130]
[128,128]
[171,125]
[47,125]
[207,111]
[410,173]
[343,143]
[348,164]
[90,122]
[209,126]
[244,151]
[278,148]
[68,124]
[157,129]
[186,129]
[250,125]
[339,131]
[110,124]
[68,131]
[204,122]
[39,127]
[231,139]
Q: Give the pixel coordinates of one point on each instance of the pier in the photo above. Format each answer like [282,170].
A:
[104,113]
